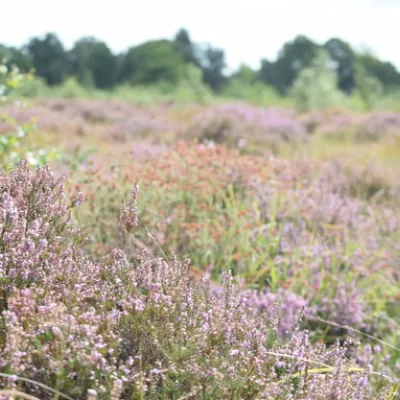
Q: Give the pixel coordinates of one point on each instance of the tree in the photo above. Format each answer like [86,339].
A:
[369,88]
[193,83]
[245,85]
[17,57]
[93,63]
[271,75]
[316,85]
[150,62]
[184,46]
[292,58]
[213,64]
[245,74]
[211,60]
[49,58]
[385,72]
[79,58]
[344,57]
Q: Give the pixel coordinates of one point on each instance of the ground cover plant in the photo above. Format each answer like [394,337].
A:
[134,325]
[200,252]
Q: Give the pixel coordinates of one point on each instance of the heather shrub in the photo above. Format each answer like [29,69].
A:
[47,120]
[137,125]
[291,291]
[368,183]
[35,216]
[236,124]
[90,111]
[331,123]
[378,125]
[138,327]
[273,224]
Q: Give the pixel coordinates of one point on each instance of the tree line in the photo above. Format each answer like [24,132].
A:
[93,63]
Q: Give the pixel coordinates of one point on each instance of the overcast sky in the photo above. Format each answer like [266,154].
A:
[248,30]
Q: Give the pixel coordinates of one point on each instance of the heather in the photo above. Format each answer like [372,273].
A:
[139,327]
[221,251]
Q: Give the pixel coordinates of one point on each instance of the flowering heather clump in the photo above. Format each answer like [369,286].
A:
[47,120]
[228,123]
[119,121]
[290,229]
[92,111]
[372,183]
[284,308]
[331,122]
[116,329]
[137,125]
[35,220]
[378,125]
[288,310]
[272,120]
[110,120]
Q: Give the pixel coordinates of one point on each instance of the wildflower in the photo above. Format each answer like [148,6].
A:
[57,332]
[92,394]
[128,212]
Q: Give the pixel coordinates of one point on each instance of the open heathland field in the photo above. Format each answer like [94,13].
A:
[221,251]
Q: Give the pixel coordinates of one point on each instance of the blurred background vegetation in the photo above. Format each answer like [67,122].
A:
[306,74]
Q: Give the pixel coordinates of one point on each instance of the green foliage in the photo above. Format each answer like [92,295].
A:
[71,89]
[184,92]
[16,57]
[162,67]
[356,102]
[369,88]
[12,148]
[245,74]
[384,72]
[390,101]
[192,86]
[77,157]
[184,46]
[33,87]
[9,80]
[344,57]
[93,63]
[244,86]
[209,59]
[49,58]
[316,86]
[293,57]
[213,64]
[139,94]
[151,62]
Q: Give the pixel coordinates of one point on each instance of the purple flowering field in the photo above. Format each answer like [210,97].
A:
[201,252]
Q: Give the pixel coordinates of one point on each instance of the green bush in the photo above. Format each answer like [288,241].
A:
[255,93]
[316,86]
[369,88]
[12,148]
[71,89]
[33,87]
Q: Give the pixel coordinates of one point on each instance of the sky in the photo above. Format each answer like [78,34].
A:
[248,30]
